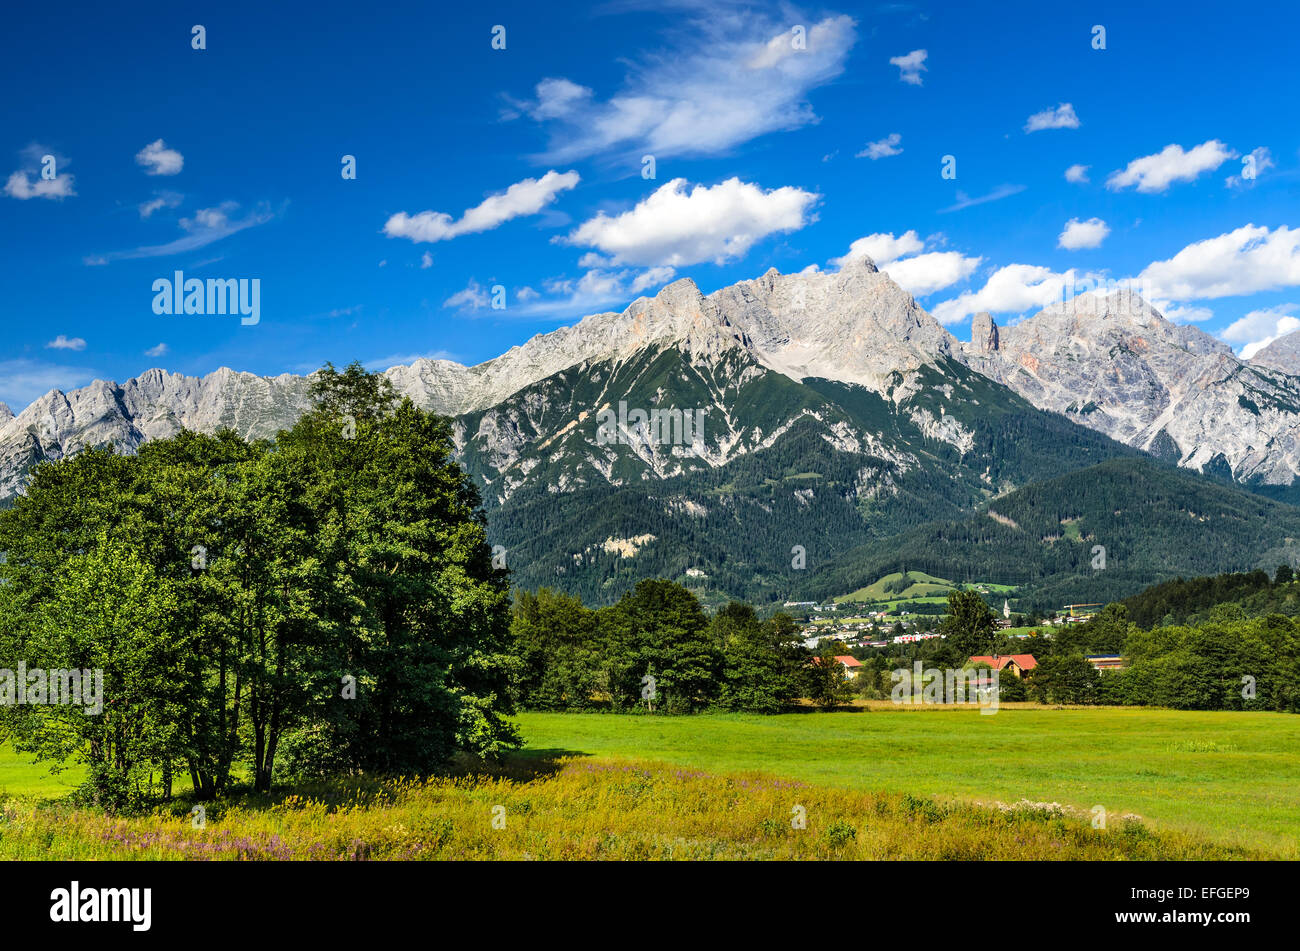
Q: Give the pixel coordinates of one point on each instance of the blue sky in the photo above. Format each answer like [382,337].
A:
[781,135]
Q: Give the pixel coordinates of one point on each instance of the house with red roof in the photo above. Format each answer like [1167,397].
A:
[1017,664]
[851,664]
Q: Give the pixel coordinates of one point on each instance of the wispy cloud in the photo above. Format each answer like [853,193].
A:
[62,342]
[207,225]
[406,359]
[728,75]
[24,380]
[965,201]
[160,200]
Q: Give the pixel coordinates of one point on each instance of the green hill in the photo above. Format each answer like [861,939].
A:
[1150,521]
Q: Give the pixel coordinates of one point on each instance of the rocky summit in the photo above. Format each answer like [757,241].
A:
[1113,364]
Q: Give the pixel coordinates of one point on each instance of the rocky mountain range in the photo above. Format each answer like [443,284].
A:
[838,410]
[1115,364]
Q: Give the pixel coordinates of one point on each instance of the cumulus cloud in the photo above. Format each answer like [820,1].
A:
[675,226]
[1062,117]
[473,297]
[1246,260]
[20,186]
[1155,173]
[726,78]
[30,180]
[1253,165]
[882,248]
[918,274]
[1259,328]
[157,159]
[426,261]
[1077,174]
[527,197]
[1013,289]
[884,148]
[1079,235]
[62,342]
[910,66]
[927,273]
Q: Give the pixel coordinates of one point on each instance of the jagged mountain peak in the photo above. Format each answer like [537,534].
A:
[1283,354]
[853,324]
[1094,321]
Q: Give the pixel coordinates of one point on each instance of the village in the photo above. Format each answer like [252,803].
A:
[844,624]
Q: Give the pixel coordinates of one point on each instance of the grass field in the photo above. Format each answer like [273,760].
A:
[1232,777]
[20,777]
[878,783]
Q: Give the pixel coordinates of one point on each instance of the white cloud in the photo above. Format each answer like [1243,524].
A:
[160,200]
[160,350]
[62,342]
[1079,235]
[965,201]
[1078,174]
[527,197]
[426,261]
[1155,173]
[731,76]
[918,274]
[1253,165]
[30,182]
[1259,328]
[910,66]
[1244,261]
[207,225]
[557,98]
[654,277]
[1013,289]
[884,148]
[1180,314]
[473,297]
[1062,117]
[406,359]
[23,380]
[21,187]
[927,273]
[157,159]
[598,289]
[882,248]
[677,227]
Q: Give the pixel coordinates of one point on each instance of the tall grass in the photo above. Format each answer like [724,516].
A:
[579,808]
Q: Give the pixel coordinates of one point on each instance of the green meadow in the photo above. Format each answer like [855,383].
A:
[877,782]
[1233,778]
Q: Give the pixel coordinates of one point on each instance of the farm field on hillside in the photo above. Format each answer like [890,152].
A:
[1233,777]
